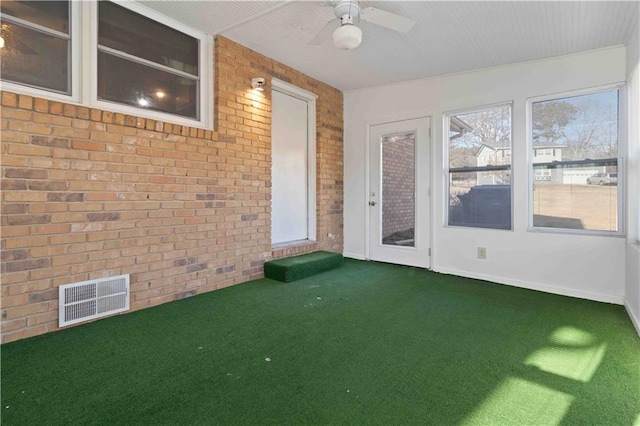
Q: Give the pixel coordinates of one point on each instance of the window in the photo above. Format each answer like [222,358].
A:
[480,168]
[576,187]
[36,44]
[134,60]
[543,152]
[146,64]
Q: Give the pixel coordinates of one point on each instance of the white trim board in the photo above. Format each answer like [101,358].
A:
[561,291]
[353,256]
[634,320]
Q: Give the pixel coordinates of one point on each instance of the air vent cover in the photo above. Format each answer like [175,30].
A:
[93,299]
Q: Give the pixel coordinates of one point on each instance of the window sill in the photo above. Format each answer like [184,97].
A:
[293,248]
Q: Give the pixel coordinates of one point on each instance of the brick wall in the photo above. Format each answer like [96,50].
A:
[88,193]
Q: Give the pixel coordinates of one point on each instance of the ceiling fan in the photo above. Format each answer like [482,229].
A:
[346,34]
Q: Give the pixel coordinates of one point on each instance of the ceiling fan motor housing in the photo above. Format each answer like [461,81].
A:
[346,7]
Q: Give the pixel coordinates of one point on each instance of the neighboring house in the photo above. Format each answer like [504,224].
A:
[547,154]
[489,155]
[492,155]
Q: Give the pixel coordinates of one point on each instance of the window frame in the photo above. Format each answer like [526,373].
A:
[205,63]
[84,67]
[447,162]
[74,66]
[622,154]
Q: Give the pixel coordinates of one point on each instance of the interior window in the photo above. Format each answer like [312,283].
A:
[480,168]
[575,183]
[146,64]
[36,44]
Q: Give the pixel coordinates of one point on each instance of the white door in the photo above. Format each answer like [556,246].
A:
[399,192]
[289,148]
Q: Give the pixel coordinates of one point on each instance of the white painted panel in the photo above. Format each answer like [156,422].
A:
[289,169]
[632,289]
[632,301]
[633,46]
[578,265]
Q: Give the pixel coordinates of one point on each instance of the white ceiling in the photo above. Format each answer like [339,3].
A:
[449,36]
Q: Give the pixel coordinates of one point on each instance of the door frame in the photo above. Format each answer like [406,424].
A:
[429,116]
[310,99]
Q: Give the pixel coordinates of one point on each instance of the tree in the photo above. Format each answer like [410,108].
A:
[490,127]
[549,120]
[594,132]
[585,125]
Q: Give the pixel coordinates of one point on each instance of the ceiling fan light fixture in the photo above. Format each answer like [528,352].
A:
[347,37]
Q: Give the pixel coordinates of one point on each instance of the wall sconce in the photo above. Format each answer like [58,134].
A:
[258,83]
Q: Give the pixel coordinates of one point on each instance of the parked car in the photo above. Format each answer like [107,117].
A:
[603,179]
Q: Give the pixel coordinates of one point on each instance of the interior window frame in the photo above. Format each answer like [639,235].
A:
[622,155]
[446,117]
[84,68]
[205,69]
[73,67]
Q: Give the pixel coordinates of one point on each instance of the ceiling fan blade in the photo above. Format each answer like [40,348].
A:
[387,19]
[325,32]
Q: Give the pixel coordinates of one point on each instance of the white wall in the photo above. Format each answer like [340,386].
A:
[632,288]
[584,266]
[633,47]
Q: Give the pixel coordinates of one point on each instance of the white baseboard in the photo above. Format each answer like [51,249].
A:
[634,320]
[353,256]
[598,297]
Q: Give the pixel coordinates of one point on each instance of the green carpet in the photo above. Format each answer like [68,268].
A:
[368,343]
[305,265]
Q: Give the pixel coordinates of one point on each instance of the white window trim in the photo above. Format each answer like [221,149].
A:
[75,69]
[633,153]
[446,161]
[310,99]
[622,154]
[84,67]
[206,45]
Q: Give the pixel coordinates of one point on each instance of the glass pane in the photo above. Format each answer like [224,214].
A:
[480,168]
[575,150]
[33,58]
[398,189]
[480,205]
[131,83]
[50,14]
[589,203]
[126,31]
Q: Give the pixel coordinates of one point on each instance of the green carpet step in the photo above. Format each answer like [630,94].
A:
[305,265]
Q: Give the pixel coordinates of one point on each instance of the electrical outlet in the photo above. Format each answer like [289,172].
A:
[482,253]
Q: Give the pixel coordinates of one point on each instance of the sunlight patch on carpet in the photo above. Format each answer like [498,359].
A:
[518,401]
[572,353]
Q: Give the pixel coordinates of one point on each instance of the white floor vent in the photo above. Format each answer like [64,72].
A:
[93,299]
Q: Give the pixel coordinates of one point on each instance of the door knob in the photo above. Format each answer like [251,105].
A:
[372,203]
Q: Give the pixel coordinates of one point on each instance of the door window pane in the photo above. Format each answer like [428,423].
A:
[575,162]
[480,168]
[398,189]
